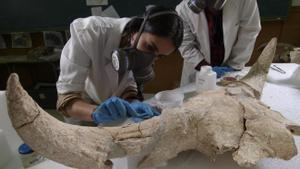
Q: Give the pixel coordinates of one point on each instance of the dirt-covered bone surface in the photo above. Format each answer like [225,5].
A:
[228,119]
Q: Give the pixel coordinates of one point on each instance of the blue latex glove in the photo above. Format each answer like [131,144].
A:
[222,70]
[143,111]
[112,110]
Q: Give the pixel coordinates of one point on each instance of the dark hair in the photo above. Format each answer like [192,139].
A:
[167,25]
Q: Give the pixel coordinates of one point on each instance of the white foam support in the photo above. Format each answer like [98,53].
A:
[6,154]
[13,139]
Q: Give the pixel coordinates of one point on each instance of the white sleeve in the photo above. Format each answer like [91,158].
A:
[74,63]
[189,48]
[248,31]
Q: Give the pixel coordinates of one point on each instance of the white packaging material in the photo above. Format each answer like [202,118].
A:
[169,99]
[206,79]
[5,152]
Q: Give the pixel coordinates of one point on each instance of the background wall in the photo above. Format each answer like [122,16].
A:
[296,3]
[168,69]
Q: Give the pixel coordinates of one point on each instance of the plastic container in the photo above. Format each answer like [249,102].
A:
[169,99]
[206,79]
[29,157]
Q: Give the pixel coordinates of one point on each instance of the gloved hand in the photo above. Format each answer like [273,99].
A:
[222,70]
[143,111]
[112,110]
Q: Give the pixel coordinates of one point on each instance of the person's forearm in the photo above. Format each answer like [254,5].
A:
[81,110]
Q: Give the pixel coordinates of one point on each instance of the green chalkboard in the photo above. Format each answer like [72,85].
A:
[39,15]
[274,9]
[127,8]
[35,15]
[269,9]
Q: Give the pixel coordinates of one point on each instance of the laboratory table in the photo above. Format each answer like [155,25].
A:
[282,98]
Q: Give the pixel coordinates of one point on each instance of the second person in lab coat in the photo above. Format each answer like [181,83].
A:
[223,38]
[104,60]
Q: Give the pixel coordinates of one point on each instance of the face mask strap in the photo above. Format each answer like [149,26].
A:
[163,13]
[148,16]
[141,30]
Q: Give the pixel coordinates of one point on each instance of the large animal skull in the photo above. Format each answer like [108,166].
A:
[213,122]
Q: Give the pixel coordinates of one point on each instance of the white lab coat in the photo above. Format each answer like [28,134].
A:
[241,26]
[86,59]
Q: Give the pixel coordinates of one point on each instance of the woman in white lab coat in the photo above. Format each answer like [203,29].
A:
[93,64]
[240,25]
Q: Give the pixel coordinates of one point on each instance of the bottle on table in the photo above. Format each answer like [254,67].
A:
[206,79]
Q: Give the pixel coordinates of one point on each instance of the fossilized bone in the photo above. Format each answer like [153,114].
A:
[213,122]
[295,56]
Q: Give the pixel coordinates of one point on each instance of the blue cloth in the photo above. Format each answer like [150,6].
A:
[222,70]
[112,110]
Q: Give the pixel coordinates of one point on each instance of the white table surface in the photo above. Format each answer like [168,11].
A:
[279,97]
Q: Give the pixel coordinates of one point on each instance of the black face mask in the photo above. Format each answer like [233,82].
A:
[139,62]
